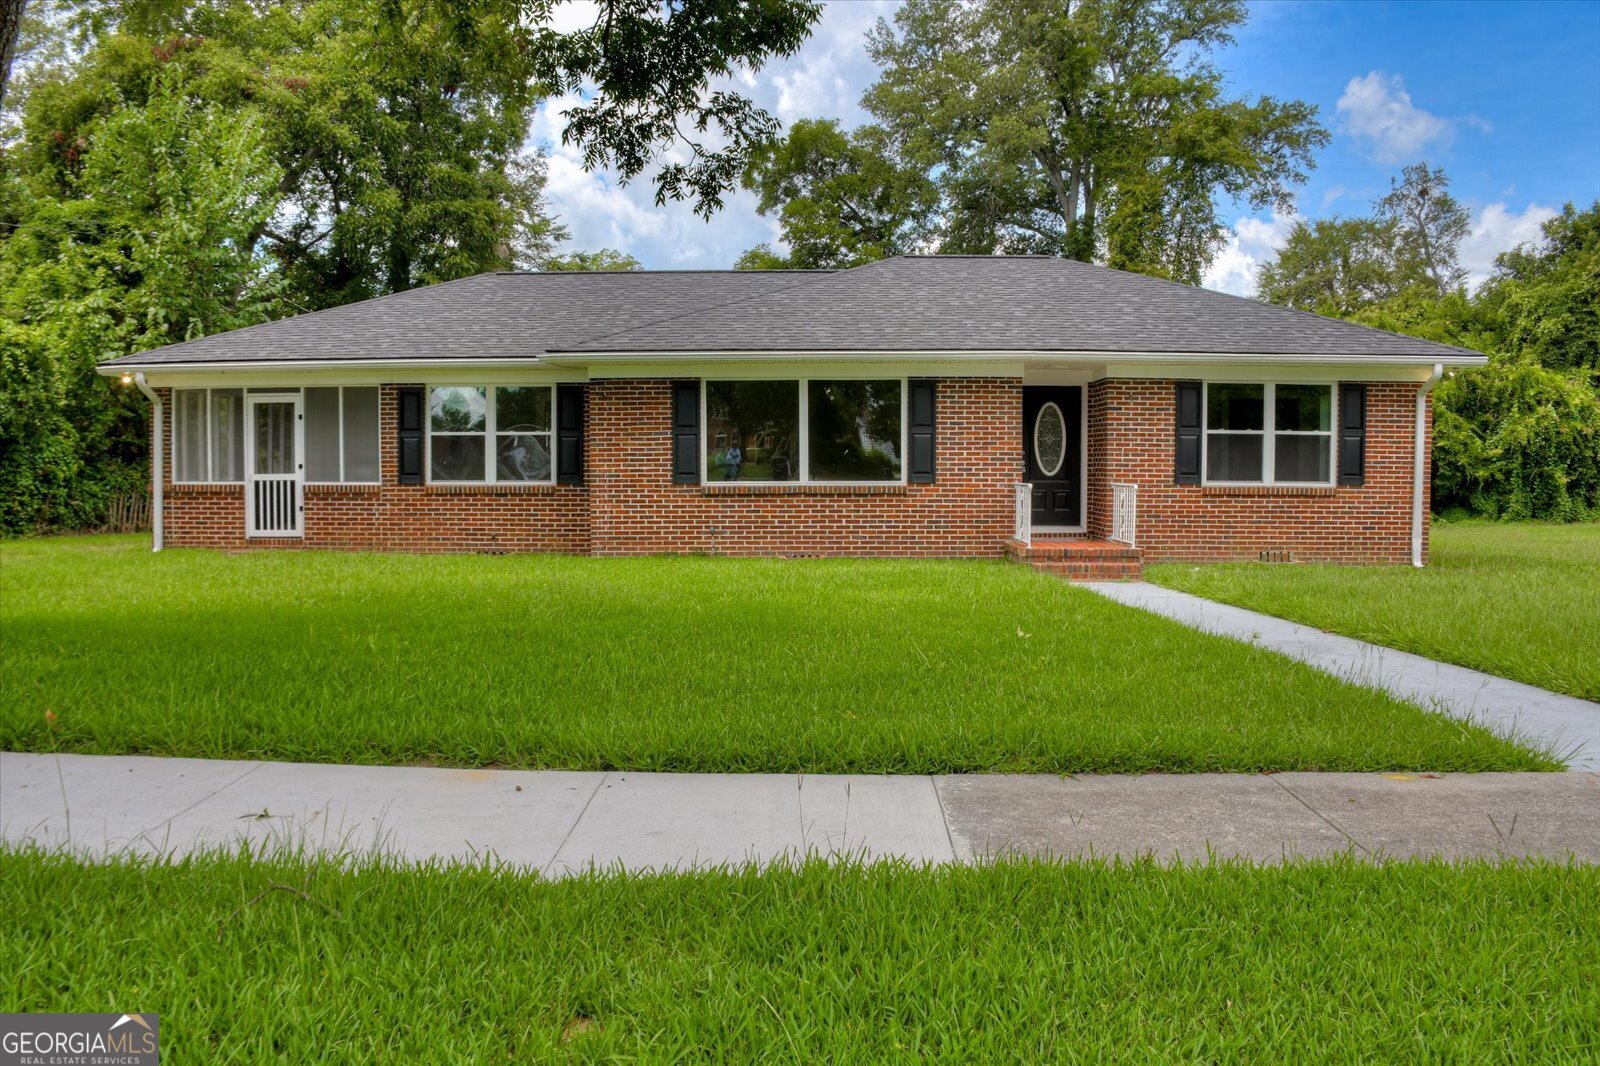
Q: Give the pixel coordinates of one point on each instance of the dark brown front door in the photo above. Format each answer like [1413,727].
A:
[1052,440]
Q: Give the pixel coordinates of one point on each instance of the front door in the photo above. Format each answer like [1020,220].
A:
[273,500]
[1052,440]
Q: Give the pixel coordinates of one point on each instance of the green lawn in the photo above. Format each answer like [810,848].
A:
[1519,600]
[1024,961]
[659,664]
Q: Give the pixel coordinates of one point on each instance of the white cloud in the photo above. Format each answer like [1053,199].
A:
[825,79]
[1252,241]
[570,16]
[1377,111]
[1496,230]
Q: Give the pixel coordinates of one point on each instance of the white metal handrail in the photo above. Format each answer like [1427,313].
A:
[1022,511]
[1125,513]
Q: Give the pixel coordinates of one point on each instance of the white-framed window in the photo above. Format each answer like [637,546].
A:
[490,433]
[1268,434]
[342,434]
[803,430]
[207,435]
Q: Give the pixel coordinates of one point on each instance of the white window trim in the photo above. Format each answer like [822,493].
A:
[489,433]
[1268,432]
[804,429]
[180,437]
[377,438]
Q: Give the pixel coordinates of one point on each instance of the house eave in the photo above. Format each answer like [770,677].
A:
[217,366]
[581,360]
[1447,357]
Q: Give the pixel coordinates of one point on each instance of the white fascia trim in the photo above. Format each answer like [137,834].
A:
[575,361]
[1283,373]
[292,366]
[1024,355]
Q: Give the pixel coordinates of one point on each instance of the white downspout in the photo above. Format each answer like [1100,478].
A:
[157,515]
[1420,463]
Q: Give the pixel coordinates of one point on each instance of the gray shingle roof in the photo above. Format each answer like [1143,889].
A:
[487,316]
[906,304]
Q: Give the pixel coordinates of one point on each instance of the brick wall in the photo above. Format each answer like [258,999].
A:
[1131,437]
[629,504]
[635,508]
[389,516]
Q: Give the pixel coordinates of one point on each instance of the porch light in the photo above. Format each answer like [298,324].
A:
[127,378]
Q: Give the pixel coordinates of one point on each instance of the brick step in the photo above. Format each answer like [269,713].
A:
[1079,558]
[1091,571]
[1072,550]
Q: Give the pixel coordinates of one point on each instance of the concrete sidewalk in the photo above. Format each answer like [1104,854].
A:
[559,822]
[1570,726]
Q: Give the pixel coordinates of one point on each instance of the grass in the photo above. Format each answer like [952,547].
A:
[1519,600]
[659,664]
[1021,961]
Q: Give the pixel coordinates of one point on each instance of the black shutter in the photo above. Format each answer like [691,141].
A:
[1352,434]
[569,434]
[1187,458]
[686,432]
[923,435]
[410,423]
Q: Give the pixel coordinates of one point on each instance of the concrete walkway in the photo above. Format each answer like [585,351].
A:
[1570,726]
[559,822]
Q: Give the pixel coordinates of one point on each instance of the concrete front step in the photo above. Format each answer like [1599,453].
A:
[1079,559]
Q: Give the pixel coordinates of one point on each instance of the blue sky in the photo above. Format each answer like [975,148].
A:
[1505,96]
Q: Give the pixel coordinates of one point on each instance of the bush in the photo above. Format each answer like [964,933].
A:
[1516,440]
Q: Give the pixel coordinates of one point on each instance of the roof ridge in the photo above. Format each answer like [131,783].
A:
[571,346]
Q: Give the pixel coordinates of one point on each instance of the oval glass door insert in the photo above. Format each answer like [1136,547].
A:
[1049,439]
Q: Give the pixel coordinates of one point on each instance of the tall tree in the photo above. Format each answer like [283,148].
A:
[1547,295]
[399,124]
[1429,225]
[643,69]
[400,157]
[145,244]
[10,32]
[842,199]
[1332,266]
[1097,129]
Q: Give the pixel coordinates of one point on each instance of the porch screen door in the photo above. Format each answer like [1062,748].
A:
[274,501]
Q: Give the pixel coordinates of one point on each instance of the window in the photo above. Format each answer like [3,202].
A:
[484,433]
[1302,433]
[342,434]
[1269,434]
[752,431]
[208,435]
[812,431]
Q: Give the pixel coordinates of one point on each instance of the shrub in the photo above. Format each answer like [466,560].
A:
[1516,440]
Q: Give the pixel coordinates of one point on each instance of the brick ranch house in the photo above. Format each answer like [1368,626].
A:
[1080,417]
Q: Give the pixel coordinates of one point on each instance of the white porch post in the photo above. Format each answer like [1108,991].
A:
[1420,470]
[157,512]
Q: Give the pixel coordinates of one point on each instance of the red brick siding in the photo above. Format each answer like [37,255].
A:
[1131,431]
[630,505]
[389,516]
[635,508]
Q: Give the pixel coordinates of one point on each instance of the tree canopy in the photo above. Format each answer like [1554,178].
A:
[1098,130]
[1519,438]
[842,199]
[170,168]
[604,259]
